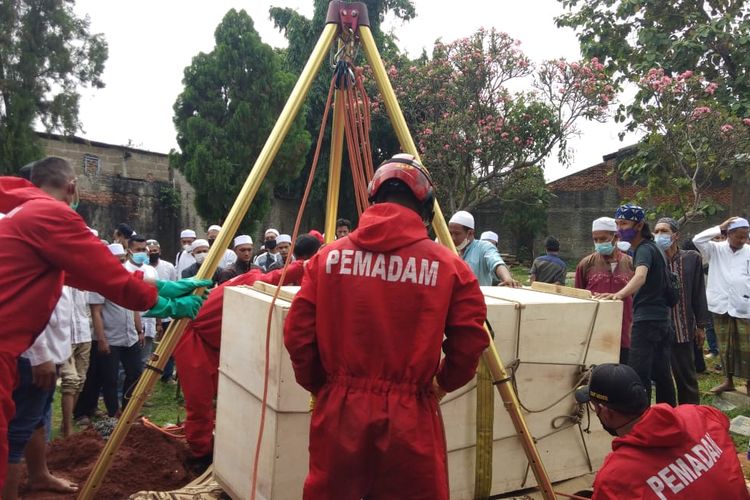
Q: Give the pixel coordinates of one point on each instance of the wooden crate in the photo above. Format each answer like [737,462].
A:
[550,334]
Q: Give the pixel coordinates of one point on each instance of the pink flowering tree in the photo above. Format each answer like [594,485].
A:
[473,125]
[692,142]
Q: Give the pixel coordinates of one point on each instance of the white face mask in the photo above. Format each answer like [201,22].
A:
[463,244]
[624,246]
[186,248]
[200,257]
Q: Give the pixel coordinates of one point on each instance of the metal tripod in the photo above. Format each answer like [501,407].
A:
[344,20]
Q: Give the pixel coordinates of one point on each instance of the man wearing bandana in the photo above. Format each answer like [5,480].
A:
[651,334]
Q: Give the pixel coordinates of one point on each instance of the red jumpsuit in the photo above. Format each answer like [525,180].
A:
[682,452]
[364,334]
[197,357]
[46,243]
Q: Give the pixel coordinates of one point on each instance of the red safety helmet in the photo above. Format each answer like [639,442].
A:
[405,169]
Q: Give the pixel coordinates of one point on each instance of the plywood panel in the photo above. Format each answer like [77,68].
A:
[548,333]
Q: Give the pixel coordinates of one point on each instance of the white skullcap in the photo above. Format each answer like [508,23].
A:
[187,233]
[116,249]
[464,218]
[738,223]
[242,239]
[214,227]
[283,238]
[604,224]
[272,231]
[490,235]
[93,231]
[198,244]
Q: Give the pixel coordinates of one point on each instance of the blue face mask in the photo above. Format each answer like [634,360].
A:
[605,248]
[663,241]
[140,258]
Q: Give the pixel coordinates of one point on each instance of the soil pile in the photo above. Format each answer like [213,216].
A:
[147,460]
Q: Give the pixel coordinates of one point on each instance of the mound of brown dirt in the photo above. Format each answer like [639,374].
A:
[147,460]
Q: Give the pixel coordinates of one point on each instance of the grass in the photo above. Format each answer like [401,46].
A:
[165,408]
[710,379]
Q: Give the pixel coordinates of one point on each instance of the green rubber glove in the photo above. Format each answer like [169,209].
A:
[181,307]
[180,288]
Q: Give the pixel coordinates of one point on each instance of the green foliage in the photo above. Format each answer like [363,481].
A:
[231,100]
[473,132]
[302,34]
[692,144]
[523,208]
[169,198]
[630,37]
[46,55]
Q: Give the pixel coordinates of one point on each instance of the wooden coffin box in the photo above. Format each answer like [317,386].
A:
[551,336]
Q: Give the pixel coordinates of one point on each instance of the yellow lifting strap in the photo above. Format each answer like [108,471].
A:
[485,420]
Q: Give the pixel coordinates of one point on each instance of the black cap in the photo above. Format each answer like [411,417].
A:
[616,386]
[125,229]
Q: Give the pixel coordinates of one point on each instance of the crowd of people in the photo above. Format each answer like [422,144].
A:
[95,313]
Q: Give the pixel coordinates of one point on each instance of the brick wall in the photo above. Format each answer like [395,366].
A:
[597,191]
[122,184]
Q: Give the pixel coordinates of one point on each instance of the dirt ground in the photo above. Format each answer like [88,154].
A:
[147,460]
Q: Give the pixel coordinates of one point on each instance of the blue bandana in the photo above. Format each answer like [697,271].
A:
[630,212]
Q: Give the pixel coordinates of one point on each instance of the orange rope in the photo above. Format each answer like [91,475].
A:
[173,431]
[297,223]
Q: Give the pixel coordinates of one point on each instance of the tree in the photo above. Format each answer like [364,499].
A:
[231,101]
[473,132]
[46,54]
[523,209]
[692,141]
[302,34]
[711,37]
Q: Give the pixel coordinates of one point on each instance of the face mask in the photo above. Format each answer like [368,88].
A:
[663,241]
[623,246]
[627,234]
[270,244]
[186,248]
[200,257]
[605,248]
[612,430]
[211,241]
[74,205]
[462,245]
[140,258]
[153,258]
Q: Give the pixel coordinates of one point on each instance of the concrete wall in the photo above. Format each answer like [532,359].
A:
[119,184]
[598,191]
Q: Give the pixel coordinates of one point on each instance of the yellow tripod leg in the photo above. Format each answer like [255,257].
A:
[491,356]
[334,166]
[236,214]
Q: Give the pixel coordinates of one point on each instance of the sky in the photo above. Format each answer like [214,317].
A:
[151,43]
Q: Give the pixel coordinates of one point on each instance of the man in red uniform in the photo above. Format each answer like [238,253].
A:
[364,334]
[46,243]
[197,353]
[661,452]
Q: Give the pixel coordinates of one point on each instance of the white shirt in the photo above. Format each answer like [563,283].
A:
[228,259]
[184,260]
[149,324]
[728,289]
[54,342]
[80,329]
[166,271]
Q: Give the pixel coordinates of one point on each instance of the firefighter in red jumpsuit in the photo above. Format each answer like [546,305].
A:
[660,452]
[45,243]
[197,353]
[364,334]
